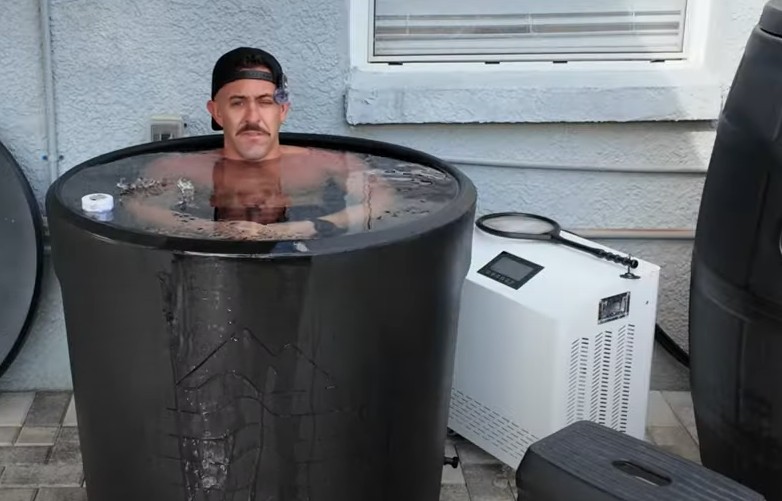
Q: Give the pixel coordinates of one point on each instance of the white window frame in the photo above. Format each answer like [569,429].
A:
[559,89]
[692,13]
[362,17]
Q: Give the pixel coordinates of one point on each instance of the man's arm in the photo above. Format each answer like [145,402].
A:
[368,198]
[195,169]
[368,195]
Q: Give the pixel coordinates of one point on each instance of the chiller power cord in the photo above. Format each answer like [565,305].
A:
[671,346]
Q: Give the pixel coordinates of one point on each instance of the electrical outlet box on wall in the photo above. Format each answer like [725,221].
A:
[164,127]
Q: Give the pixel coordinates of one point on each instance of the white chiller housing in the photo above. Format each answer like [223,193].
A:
[549,335]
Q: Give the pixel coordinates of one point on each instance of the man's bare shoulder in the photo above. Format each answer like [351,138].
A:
[197,165]
[333,160]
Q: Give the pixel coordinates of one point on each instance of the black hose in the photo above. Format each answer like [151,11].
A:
[671,346]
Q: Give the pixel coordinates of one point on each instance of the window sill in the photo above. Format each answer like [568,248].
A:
[539,96]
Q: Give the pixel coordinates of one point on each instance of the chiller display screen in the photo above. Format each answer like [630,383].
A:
[510,270]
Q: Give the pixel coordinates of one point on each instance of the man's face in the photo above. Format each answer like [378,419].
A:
[250,118]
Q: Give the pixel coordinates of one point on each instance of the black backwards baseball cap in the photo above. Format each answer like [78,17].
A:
[230,67]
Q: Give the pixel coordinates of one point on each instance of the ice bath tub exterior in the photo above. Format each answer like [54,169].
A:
[735,314]
[209,368]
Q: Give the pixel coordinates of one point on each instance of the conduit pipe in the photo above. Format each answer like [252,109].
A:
[52,153]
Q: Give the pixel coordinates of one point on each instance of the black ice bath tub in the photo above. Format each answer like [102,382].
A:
[212,366]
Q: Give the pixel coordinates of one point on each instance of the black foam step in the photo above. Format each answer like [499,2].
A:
[587,461]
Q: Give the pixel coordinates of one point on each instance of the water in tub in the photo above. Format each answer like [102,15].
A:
[205,196]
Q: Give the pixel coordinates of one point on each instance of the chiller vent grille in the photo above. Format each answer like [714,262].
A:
[627,374]
[605,363]
[600,362]
[618,369]
[577,382]
[490,425]
[572,382]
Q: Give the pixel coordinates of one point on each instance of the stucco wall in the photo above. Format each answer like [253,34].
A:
[117,62]
[23,129]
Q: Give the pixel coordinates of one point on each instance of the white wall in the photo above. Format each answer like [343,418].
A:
[117,62]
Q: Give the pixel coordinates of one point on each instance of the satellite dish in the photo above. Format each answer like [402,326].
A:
[21,257]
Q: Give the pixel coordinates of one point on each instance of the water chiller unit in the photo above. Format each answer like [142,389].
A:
[549,335]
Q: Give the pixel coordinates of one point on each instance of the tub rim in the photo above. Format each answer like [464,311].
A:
[464,202]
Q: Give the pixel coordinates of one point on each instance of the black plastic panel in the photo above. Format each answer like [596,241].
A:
[21,257]
[736,282]
[589,461]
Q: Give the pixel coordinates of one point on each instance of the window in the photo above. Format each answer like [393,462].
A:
[533,61]
[527,30]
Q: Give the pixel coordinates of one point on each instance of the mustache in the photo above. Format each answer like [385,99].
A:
[253,128]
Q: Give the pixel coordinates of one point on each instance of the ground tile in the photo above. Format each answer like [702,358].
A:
[62,494]
[48,409]
[675,440]
[42,475]
[659,412]
[470,453]
[452,475]
[67,449]
[34,435]
[14,408]
[17,494]
[70,414]
[454,492]
[8,434]
[487,482]
[683,408]
[24,455]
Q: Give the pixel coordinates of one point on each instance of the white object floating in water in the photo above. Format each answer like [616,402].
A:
[97,202]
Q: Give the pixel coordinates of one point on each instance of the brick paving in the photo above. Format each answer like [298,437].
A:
[40,459]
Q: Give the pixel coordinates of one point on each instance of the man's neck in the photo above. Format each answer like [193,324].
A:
[275,154]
